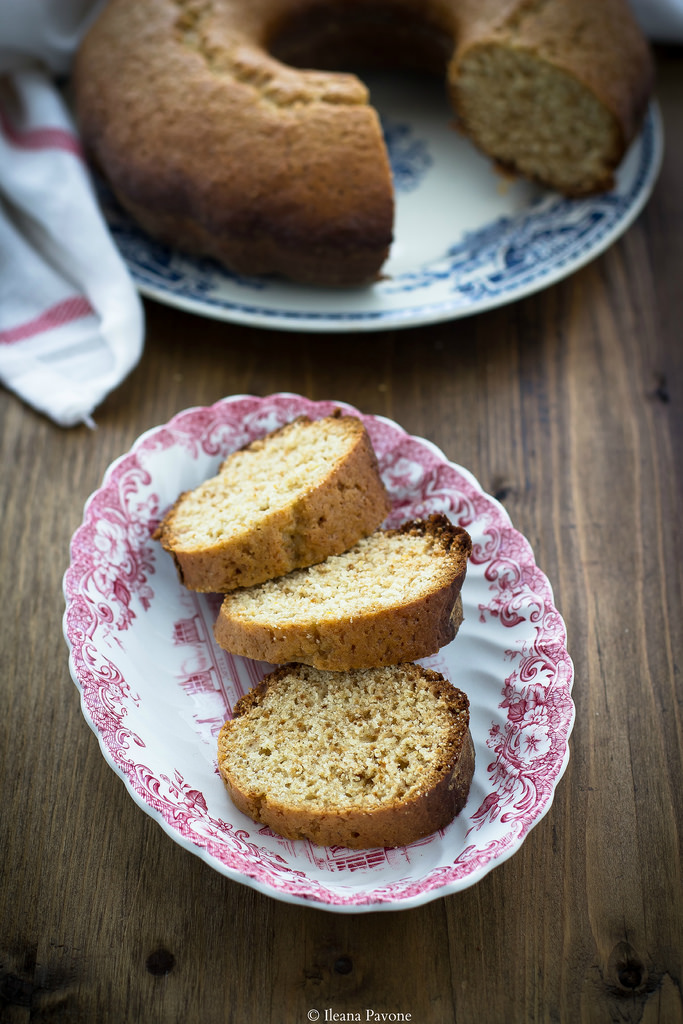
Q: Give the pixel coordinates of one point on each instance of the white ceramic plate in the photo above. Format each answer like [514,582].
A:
[466,240]
[156,689]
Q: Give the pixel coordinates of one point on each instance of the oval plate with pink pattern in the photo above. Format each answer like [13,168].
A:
[156,689]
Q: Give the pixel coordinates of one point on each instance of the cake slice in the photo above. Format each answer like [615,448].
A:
[303,492]
[371,758]
[393,597]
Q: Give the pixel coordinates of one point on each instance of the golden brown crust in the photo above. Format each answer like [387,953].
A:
[215,146]
[399,822]
[412,628]
[347,501]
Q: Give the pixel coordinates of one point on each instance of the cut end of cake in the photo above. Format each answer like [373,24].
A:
[537,120]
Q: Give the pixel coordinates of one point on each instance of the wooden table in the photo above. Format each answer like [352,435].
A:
[569,406]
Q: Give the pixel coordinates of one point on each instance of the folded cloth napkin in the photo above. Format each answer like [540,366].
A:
[71,321]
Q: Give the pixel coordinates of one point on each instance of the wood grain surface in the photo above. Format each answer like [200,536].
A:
[568,406]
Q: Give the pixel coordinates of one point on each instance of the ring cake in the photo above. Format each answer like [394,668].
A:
[215,134]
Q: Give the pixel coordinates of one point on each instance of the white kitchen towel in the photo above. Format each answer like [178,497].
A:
[71,320]
[661,20]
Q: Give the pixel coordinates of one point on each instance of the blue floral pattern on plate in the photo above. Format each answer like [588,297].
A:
[409,156]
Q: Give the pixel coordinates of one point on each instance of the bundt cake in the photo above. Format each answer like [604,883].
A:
[215,134]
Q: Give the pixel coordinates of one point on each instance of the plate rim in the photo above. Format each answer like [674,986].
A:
[424,896]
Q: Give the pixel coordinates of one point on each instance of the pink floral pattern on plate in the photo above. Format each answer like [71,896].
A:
[155,688]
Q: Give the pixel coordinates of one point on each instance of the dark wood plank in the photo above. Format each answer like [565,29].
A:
[569,407]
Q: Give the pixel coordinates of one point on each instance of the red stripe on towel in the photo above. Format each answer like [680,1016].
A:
[40,138]
[62,313]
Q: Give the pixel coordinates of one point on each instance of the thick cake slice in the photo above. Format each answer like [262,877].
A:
[306,491]
[371,758]
[393,597]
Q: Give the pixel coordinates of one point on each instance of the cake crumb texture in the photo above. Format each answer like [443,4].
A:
[374,757]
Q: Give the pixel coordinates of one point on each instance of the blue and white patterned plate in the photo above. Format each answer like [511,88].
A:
[466,239]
